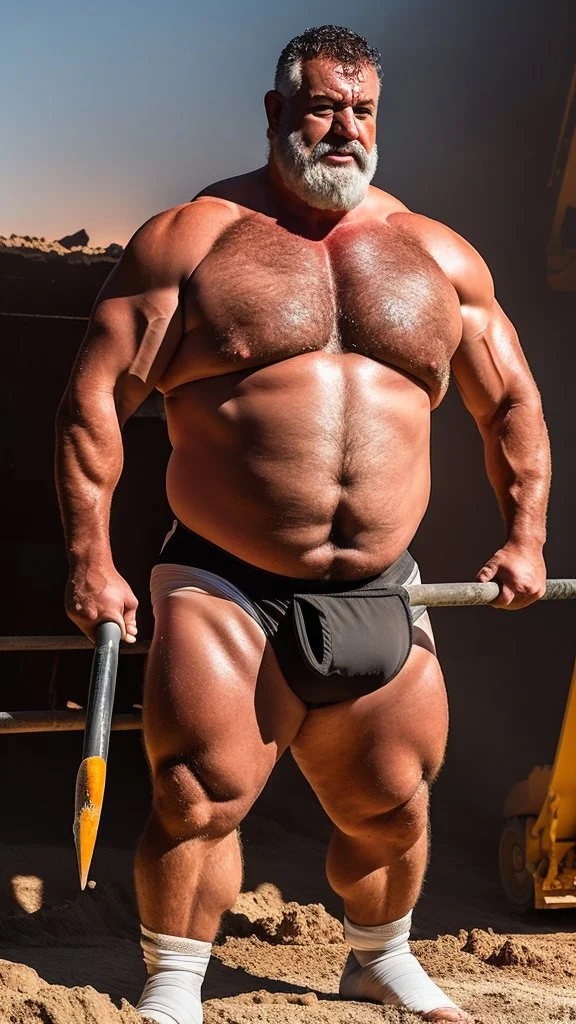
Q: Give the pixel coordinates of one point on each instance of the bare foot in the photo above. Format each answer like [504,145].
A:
[407,985]
[447,1015]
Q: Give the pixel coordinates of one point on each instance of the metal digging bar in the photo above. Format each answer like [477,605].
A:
[91,777]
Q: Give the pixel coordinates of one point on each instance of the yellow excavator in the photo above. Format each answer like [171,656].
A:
[538,841]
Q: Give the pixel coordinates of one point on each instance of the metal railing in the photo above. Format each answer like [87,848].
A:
[60,720]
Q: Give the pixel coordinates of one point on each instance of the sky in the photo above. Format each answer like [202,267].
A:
[118,110]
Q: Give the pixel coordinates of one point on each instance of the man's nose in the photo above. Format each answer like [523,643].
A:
[344,124]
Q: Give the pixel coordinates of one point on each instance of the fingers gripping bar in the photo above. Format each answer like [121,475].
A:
[450,595]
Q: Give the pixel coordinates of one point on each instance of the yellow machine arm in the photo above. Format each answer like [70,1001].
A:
[539,838]
[561,262]
[552,838]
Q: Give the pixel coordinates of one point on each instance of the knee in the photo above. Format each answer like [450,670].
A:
[408,819]
[398,816]
[187,807]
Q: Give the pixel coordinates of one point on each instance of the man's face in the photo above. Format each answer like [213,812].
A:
[324,139]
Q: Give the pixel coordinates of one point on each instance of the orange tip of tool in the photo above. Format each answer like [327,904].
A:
[90,783]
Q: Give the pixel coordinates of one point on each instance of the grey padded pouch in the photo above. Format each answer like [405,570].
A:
[359,634]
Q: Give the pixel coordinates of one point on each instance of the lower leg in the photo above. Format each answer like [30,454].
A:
[209,757]
[183,888]
[378,871]
[378,876]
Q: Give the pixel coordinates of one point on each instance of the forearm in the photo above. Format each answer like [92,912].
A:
[517,454]
[89,460]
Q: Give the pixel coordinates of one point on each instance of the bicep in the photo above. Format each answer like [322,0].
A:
[133,330]
[489,367]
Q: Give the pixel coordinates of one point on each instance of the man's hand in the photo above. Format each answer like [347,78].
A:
[521,573]
[95,595]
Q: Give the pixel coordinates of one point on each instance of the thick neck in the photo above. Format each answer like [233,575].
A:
[315,221]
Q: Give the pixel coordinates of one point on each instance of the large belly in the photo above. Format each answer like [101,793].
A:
[317,466]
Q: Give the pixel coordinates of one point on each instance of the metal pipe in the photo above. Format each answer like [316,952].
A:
[435,595]
[454,595]
[59,721]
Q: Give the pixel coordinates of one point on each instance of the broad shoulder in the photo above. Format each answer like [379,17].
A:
[184,234]
[461,262]
[173,242]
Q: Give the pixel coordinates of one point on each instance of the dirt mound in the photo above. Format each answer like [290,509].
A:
[530,956]
[482,944]
[26,999]
[515,954]
[263,914]
[75,959]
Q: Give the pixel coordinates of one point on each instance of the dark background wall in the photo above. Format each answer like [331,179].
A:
[481,164]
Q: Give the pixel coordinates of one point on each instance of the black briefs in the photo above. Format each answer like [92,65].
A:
[334,641]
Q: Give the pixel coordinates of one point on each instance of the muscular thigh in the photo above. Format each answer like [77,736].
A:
[369,756]
[214,697]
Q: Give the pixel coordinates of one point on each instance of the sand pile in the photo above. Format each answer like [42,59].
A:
[70,958]
[26,999]
[276,962]
[264,914]
[501,978]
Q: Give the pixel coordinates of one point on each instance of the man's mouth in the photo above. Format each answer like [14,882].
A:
[341,154]
[339,157]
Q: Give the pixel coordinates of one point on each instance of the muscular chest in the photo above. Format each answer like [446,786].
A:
[263,294]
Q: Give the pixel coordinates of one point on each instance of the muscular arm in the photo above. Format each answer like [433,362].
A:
[498,389]
[133,330]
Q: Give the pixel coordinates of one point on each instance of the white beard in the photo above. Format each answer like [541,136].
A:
[317,184]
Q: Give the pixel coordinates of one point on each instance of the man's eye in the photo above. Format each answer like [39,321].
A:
[322,109]
[362,112]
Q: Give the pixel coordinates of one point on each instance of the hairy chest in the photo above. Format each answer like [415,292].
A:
[263,294]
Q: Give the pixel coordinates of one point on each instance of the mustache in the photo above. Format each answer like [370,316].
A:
[350,148]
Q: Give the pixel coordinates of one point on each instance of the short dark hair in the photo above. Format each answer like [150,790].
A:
[343,45]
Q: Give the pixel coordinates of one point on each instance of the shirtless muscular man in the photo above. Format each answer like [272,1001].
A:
[301,325]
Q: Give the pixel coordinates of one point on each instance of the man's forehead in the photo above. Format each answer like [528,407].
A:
[327,77]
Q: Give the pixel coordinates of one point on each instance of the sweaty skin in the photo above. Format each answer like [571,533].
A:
[300,352]
[317,455]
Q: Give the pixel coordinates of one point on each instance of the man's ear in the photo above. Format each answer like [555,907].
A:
[273,102]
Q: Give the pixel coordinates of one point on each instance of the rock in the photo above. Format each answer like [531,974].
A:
[482,944]
[79,238]
[513,953]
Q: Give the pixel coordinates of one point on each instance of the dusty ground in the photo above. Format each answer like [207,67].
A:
[74,959]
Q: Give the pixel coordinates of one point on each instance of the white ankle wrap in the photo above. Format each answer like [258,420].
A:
[383,968]
[374,937]
[176,968]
